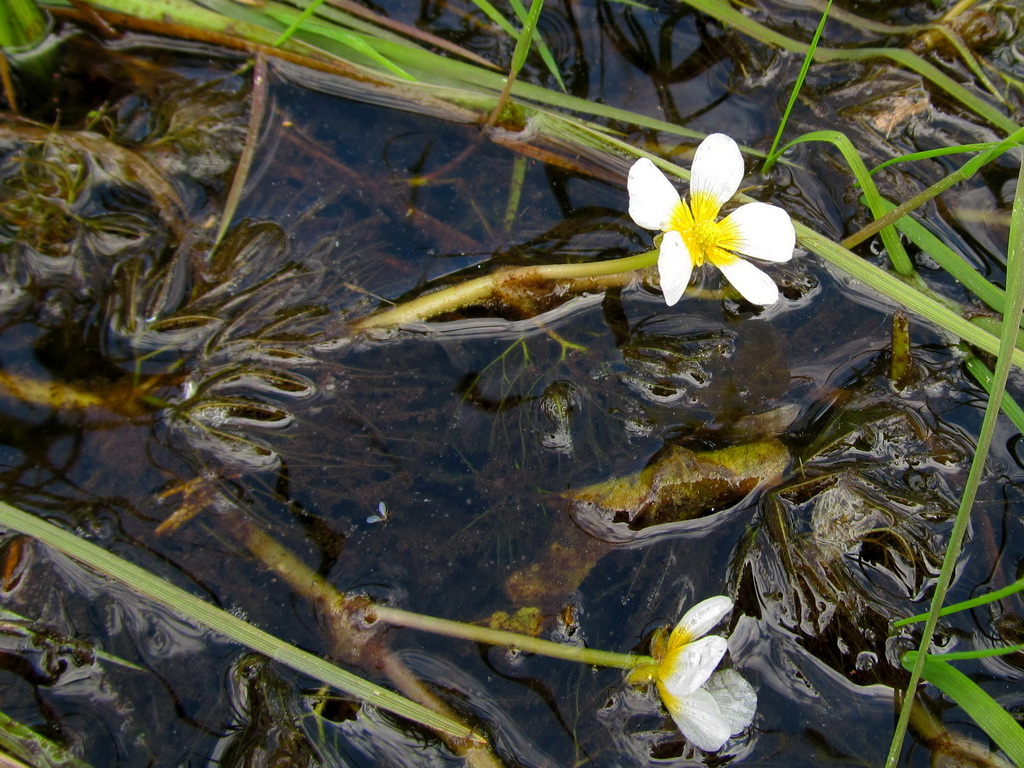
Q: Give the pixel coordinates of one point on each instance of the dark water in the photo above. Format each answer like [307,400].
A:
[175,379]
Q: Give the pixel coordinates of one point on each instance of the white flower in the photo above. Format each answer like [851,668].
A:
[693,236]
[707,706]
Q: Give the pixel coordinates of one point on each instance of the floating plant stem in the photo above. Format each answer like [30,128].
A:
[257,111]
[501,638]
[483,288]
[901,361]
[314,587]
[515,191]
[198,611]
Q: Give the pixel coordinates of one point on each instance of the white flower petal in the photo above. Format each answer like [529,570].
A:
[700,720]
[735,698]
[703,617]
[717,169]
[674,266]
[651,195]
[686,669]
[754,285]
[761,231]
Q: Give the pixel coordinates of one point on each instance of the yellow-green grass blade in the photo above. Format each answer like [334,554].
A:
[1004,359]
[726,13]
[890,238]
[903,293]
[192,609]
[949,260]
[795,92]
[22,25]
[974,602]
[542,48]
[983,709]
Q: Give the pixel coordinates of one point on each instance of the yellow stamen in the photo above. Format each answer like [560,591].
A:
[702,234]
[705,206]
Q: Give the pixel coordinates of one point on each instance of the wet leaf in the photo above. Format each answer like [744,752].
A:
[681,484]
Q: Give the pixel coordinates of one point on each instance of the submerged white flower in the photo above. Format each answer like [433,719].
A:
[707,706]
[692,234]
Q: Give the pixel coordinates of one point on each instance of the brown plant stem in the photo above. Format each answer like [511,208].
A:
[355,640]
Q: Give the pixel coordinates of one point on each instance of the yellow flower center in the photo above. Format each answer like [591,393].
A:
[705,238]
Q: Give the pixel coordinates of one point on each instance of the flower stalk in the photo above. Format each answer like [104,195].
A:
[594,275]
[502,638]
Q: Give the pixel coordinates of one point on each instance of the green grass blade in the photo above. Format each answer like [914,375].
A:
[496,16]
[297,22]
[192,609]
[893,245]
[808,58]
[352,40]
[974,602]
[929,154]
[526,36]
[1007,348]
[978,653]
[24,744]
[949,259]
[731,16]
[917,300]
[545,53]
[22,24]
[983,709]
[984,376]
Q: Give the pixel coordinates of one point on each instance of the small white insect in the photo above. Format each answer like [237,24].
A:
[381,516]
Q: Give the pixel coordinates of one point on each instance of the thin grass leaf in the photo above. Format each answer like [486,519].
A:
[916,299]
[979,653]
[297,23]
[545,53]
[983,709]
[984,376]
[22,24]
[962,173]
[518,60]
[968,57]
[194,610]
[795,92]
[724,12]
[930,154]
[891,240]
[974,602]
[352,40]
[526,36]
[22,743]
[949,259]
[18,624]
[1007,350]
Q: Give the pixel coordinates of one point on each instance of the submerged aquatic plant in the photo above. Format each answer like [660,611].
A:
[707,706]
[691,233]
